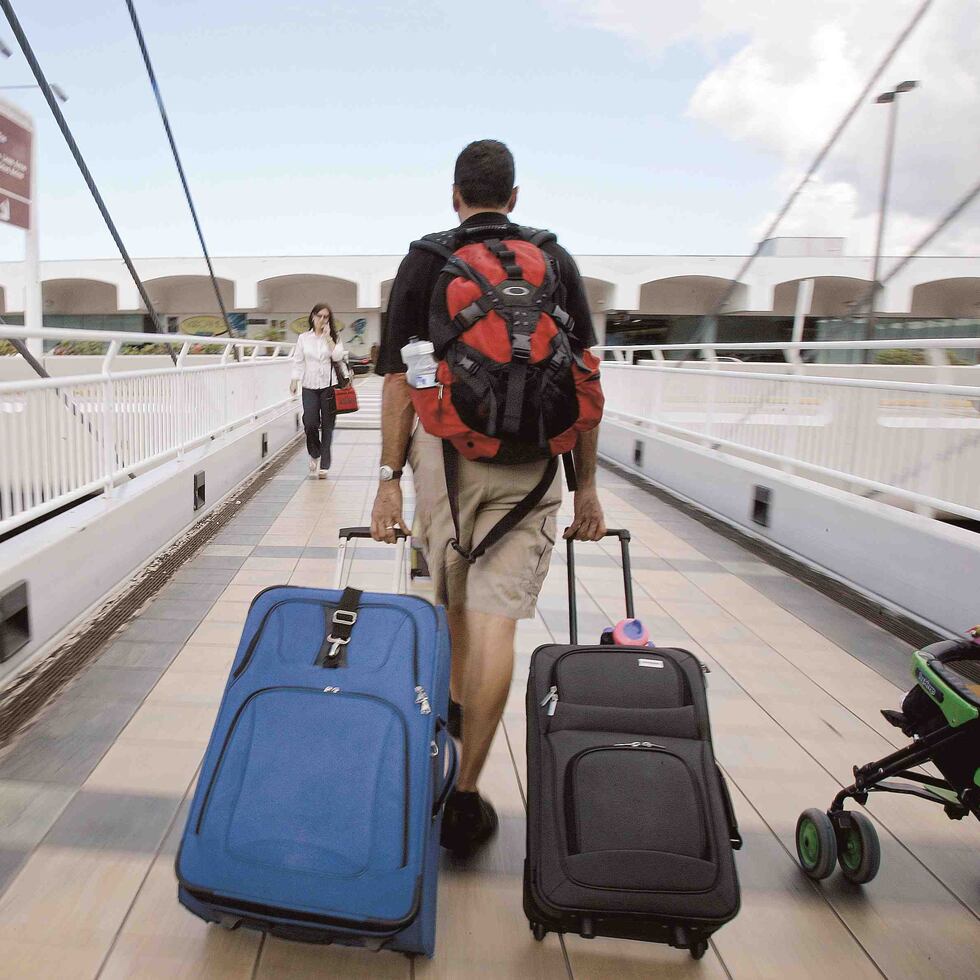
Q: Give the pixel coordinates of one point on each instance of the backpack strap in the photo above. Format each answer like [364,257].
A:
[536,236]
[434,246]
[509,521]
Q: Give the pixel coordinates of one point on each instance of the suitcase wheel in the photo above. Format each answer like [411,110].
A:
[229,922]
[538,931]
[699,948]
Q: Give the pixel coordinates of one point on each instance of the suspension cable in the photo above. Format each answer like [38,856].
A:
[49,96]
[949,217]
[180,167]
[822,155]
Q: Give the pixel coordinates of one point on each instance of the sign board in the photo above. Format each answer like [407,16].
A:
[15,171]
[203,326]
[14,211]
[302,323]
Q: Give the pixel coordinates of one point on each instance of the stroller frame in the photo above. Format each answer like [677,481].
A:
[871,778]
[947,676]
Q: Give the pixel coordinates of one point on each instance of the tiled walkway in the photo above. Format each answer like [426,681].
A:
[93,797]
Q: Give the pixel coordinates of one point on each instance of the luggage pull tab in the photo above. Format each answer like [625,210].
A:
[551,700]
[422,700]
[340,618]
[638,745]
[341,626]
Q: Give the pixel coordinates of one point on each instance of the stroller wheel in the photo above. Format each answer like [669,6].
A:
[858,849]
[816,843]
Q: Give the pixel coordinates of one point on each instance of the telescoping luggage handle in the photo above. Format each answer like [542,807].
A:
[624,547]
[345,534]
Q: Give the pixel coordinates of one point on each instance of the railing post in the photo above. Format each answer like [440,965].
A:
[710,407]
[225,360]
[108,427]
[182,398]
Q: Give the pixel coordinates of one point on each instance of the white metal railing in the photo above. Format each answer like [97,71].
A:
[912,442]
[68,437]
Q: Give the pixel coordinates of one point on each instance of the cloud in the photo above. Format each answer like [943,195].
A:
[783,74]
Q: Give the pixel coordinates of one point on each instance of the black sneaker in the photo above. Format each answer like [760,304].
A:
[455,721]
[468,822]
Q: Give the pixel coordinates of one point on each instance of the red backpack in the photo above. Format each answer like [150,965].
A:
[514,385]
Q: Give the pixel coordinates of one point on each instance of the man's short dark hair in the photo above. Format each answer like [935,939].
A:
[484,174]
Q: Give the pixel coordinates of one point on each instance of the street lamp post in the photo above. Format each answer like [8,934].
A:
[886,98]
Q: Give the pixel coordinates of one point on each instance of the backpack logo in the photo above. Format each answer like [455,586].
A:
[516,291]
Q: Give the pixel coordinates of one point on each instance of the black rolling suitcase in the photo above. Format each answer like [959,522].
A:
[630,826]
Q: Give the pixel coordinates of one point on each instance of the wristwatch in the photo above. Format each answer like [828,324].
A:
[386,474]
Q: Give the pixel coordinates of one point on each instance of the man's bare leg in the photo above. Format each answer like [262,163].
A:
[486,672]
[457,631]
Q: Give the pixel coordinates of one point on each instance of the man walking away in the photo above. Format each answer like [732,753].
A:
[506,311]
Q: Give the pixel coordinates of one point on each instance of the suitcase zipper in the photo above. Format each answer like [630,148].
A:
[551,700]
[314,690]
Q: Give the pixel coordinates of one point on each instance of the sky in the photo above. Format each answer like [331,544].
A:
[638,126]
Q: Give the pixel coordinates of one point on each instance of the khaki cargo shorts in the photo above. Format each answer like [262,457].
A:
[507,579]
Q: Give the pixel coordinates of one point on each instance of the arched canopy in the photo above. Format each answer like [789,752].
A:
[386,292]
[177,295]
[947,298]
[833,296]
[687,295]
[599,293]
[300,293]
[71,296]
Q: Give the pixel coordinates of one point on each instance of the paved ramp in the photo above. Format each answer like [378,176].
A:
[93,797]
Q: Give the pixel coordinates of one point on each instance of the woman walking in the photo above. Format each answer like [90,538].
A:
[317,366]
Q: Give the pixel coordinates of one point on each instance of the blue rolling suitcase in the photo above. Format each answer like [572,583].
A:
[317,811]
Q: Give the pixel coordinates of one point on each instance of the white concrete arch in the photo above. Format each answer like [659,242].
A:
[300,292]
[188,295]
[833,296]
[954,297]
[680,295]
[78,296]
[385,293]
[599,292]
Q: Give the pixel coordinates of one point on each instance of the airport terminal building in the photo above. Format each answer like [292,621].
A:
[634,299]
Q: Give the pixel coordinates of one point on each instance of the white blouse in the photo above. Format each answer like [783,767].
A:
[315,359]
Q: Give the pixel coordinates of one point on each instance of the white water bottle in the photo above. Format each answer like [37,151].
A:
[417,355]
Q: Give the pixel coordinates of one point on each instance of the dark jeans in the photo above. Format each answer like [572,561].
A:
[319,418]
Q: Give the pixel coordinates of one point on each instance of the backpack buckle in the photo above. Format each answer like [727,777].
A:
[344,618]
[458,548]
[521,347]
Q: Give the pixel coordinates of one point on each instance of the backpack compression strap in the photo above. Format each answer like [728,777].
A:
[509,521]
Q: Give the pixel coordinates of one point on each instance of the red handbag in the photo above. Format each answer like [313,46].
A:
[344,398]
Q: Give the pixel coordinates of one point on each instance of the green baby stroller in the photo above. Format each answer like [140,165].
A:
[941,715]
